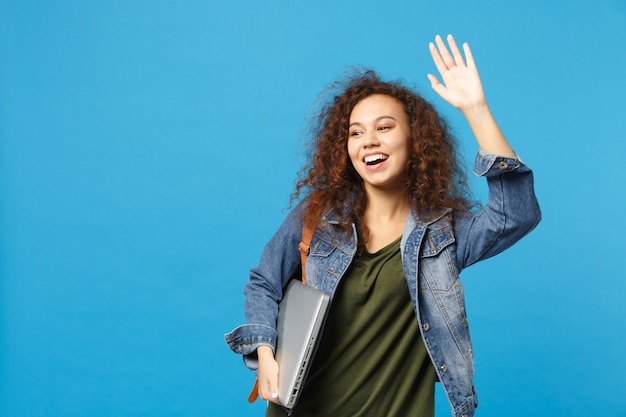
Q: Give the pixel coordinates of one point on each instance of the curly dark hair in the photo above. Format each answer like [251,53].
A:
[435,181]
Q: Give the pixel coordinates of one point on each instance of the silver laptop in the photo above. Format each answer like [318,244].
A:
[300,317]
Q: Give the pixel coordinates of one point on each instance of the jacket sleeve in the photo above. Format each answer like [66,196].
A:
[280,260]
[512,210]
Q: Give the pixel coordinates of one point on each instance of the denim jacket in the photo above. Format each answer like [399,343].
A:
[434,251]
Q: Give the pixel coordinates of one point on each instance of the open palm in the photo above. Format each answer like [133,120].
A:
[461,85]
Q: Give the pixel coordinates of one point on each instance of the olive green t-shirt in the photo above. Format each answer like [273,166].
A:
[371,360]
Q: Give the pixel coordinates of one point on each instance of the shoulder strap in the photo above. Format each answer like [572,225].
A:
[310,224]
[305,249]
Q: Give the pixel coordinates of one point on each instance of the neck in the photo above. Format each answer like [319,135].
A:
[385,217]
[387,206]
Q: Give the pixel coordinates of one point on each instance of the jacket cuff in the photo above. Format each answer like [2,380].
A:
[246,338]
[489,165]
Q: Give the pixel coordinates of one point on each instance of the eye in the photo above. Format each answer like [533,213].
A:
[355,133]
[384,128]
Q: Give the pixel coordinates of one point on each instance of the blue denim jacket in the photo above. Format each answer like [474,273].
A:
[433,254]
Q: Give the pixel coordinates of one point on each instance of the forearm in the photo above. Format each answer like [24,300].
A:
[487,132]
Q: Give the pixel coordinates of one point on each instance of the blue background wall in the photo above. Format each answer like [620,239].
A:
[148,149]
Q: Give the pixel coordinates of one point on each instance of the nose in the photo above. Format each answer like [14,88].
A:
[370,139]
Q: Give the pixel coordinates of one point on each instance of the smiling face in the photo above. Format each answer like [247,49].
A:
[379,142]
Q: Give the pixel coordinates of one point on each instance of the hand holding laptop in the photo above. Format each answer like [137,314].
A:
[267,374]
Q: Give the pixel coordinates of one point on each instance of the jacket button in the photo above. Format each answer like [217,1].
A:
[503,165]
[443,368]
[425,326]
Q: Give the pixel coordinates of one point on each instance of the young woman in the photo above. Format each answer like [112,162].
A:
[396,230]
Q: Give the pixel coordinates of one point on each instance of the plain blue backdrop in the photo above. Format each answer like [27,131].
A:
[148,150]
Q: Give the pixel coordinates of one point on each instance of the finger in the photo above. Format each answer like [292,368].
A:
[267,393]
[274,389]
[445,54]
[469,58]
[433,80]
[456,53]
[261,390]
[268,388]
[436,85]
[273,399]
[441,66]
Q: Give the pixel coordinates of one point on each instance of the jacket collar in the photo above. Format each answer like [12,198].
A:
[417,223]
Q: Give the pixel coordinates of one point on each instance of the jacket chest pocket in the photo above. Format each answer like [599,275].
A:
[436,265]
[327,262]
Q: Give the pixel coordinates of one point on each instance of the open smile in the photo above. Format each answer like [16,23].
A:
[375,160]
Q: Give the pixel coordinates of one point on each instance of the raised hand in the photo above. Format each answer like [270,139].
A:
[461,85]
[462,88]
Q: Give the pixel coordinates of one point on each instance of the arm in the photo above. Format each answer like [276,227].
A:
[256,339]
[463,89]
[512,210]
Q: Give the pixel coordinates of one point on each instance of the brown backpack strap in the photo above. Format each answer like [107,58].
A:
[254,394]
[310,224]
[305,248]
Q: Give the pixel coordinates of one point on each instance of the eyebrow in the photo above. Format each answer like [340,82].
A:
[378,119]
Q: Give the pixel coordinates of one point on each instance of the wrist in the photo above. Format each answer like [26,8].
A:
[264,352]
[477,111]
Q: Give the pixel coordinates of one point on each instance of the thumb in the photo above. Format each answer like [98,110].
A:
[268,387]
[273,386]
[436,85]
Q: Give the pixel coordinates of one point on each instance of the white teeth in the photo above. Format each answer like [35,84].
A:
[373,158]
